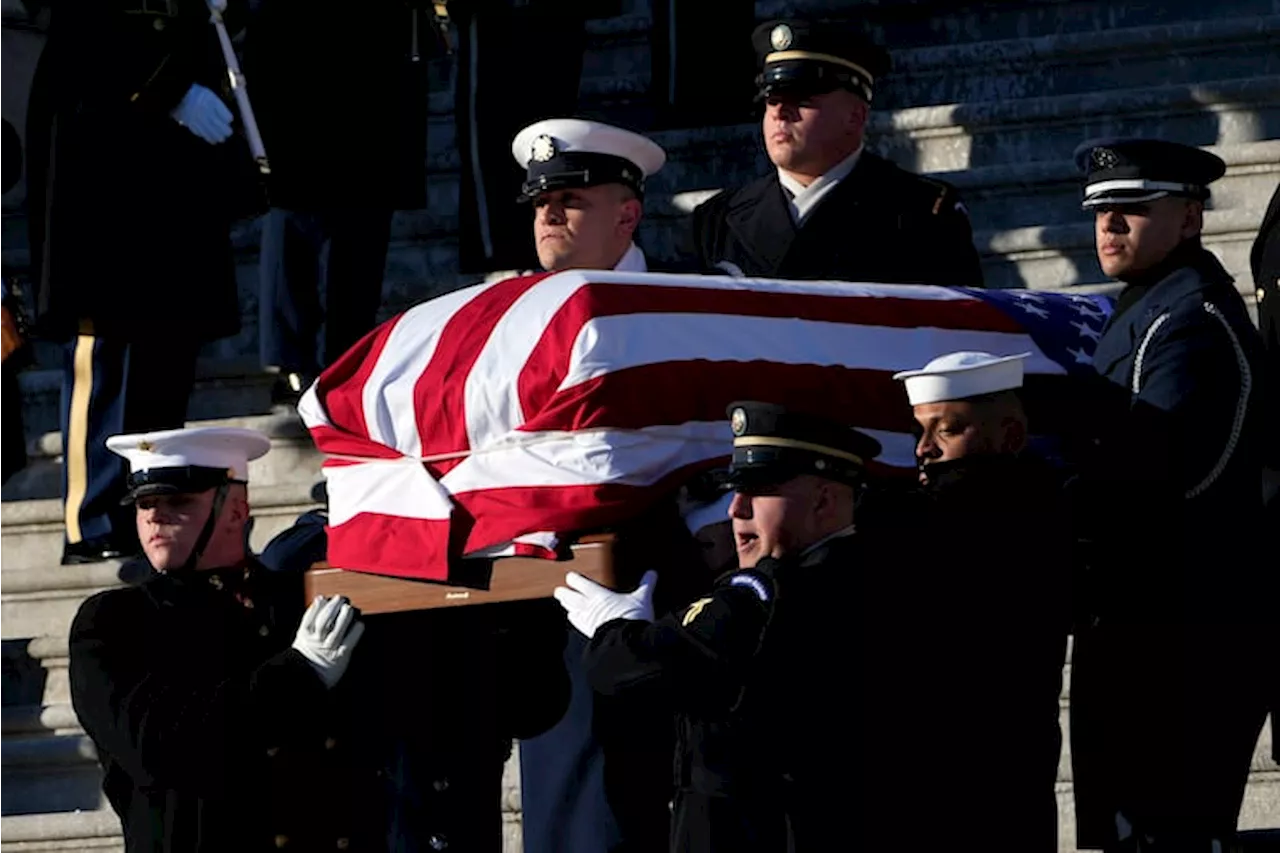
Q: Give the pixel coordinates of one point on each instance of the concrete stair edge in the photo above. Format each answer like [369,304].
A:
[70,826]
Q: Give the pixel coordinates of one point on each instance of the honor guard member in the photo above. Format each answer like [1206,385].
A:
[746,668]
[997,516]
[831,209]
[200,683]
[599,779]
[585,181]
[1169,674]
[135,176]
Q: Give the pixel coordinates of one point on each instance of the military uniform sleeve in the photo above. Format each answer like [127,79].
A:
[692,660]
[1190,389]
[531,649]
[115,59]
[947,241]
[166,728]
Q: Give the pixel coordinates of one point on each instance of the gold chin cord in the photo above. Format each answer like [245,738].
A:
[241,92]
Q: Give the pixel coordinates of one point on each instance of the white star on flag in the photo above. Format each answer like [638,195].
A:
[1087,331]
[1032,309]
[1027,294]
[1089,310]
[1080,356]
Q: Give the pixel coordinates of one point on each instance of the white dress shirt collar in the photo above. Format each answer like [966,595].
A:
[804,199]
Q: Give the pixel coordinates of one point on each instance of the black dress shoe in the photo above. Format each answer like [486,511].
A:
[96,551]
[288,389]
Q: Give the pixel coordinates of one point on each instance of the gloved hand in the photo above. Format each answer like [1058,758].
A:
[327,636]
[590,605]
[203,113]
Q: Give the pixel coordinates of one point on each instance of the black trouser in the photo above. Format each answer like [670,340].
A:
[515,67]
[340,253]
[1164,721]
[699,81]
[111,387]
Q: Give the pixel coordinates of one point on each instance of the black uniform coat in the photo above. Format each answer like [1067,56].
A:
[342,102]
[130,212]
[423,721]
[1265,262]
[879,224]
[1169,672]
[962,651]
[190,691]
[749,775]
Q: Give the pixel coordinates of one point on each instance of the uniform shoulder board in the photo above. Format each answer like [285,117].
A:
[753,582]
[944,198]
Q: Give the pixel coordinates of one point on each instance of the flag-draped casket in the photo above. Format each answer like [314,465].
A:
[495,419]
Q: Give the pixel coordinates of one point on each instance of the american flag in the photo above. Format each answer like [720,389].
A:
[490,420]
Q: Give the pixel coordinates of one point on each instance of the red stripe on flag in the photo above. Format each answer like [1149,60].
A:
[340,389]
[391,545]
[489,517]
[439,396]
[548,364]
[683,391]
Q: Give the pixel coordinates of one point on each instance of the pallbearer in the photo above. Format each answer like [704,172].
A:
[1171,670]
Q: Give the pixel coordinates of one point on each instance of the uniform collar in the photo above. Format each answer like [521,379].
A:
[847,530]
[804,199]
[632,261]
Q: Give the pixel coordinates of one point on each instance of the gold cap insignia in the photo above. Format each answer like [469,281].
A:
[543,149]
[780,37]
[145,445]
[738,421]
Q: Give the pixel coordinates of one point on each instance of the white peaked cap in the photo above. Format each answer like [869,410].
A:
[555,137]
[959,375]
[226,448]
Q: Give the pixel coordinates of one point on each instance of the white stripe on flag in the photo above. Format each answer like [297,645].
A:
[400,488]
[608,344]
[590,457]
[391,418]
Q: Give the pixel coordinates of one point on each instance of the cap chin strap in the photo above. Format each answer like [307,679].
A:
[219,498]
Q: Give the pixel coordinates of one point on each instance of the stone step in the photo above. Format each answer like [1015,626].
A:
[50,773]
[40,597]
[910,23]
[291,460]
[618,61]
[96,830]
[41,702]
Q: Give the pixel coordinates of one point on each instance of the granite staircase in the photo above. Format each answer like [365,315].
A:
[991,96]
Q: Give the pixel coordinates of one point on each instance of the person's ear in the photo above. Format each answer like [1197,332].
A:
[1192,219]
[629,214]
[1013,435]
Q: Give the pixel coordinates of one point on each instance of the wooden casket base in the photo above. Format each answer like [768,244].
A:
[474,581]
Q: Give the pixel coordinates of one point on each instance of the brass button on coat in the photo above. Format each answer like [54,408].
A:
[282,840]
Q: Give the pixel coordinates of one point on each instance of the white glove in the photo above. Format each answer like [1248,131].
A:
[203,113]
[590,605]
[328,634]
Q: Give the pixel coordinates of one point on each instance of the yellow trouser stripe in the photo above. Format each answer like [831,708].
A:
[77,460]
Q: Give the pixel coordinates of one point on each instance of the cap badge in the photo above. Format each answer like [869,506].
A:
[544,148]
[1104,158]
[780,37]
[145,445]
[738,421]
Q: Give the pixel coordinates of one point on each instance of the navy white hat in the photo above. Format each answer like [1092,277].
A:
[187,460]
[772,445]
[813,57]
[559,153]
[961,375]
[1133,171]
